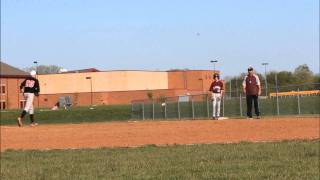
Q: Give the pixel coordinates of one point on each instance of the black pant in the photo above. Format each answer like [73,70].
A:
[253,98]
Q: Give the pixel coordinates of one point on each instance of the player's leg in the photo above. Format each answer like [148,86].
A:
[249,106]
[25,110]
[256,106]
[31,112]
[218,105]
[214,103]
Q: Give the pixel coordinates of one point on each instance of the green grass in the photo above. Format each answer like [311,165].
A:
[288,106]
[278,160]
[73,115]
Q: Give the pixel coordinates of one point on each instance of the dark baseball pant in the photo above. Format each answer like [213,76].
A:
[254,99]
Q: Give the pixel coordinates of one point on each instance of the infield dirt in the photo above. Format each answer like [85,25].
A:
[132,134]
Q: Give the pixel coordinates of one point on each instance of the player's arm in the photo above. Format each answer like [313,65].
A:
[258,84]
[222,88]
[210,90]
[22,85]
[37,86]
[244,85]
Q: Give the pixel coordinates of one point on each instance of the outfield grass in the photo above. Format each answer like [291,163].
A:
[73,115]
[288,106]
[278,160]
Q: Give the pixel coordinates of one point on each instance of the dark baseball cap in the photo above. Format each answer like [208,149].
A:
[250,68]
[216,75]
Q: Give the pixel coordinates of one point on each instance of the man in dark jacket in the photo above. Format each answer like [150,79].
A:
[252,89]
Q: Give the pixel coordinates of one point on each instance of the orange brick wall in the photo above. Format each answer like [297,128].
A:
[179,83]
[191,80]
[102,98]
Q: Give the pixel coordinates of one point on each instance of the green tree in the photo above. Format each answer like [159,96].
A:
[303,74]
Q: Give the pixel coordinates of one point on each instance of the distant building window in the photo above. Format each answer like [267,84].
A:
[22,104]
[3,89]
[3,105]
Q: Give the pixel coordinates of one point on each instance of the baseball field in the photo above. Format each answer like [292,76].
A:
[272,148]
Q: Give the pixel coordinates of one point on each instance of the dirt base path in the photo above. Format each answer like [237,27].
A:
[130,134]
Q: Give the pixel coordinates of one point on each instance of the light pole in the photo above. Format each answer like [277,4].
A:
[36,63]
[265,77]
[90,87]
[214,65]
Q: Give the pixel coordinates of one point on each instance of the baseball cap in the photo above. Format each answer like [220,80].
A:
[250,68]
[33,73]
[216,75]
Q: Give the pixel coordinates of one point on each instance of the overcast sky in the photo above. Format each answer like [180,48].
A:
[161,34]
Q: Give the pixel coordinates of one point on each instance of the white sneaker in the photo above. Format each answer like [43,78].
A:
[34,124]
[19,121]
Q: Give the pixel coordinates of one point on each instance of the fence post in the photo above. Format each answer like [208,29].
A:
[152,109]
[192,106]
[179,115]
[277,90]
[142,110]
[131,110]
[240,104]
[165,109]
[208,111]
[223,106]
[230,88]
[299,112]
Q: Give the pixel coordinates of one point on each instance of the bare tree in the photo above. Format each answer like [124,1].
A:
[43,69]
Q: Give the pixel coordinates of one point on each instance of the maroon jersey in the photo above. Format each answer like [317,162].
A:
[216,86]
[251,84]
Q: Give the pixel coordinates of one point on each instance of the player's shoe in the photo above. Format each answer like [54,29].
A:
[34,124]
[19,121]
[250,118]
[258,117]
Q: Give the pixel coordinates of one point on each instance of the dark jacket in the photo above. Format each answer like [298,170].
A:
[30,85]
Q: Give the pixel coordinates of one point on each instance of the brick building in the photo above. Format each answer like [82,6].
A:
[10,80]
[108,87]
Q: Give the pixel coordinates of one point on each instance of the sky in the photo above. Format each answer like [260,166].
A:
[161,34]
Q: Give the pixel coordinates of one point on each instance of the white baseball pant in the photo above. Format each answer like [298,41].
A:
[216,101]
[29,102]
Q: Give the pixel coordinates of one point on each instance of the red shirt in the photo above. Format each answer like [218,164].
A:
[216,86]
[251,83]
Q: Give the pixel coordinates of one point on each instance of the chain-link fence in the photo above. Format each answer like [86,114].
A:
[200,106]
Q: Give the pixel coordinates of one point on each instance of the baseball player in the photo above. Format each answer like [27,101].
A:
[217,90]
[252,89]
[30,88]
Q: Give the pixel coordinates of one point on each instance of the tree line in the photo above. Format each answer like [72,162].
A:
[302,78]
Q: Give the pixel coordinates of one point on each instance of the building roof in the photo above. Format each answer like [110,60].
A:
[9,71]
[83,70]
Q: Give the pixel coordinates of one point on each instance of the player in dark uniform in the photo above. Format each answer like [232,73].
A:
[252,89]
[217,90]
[30,87]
